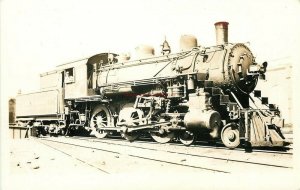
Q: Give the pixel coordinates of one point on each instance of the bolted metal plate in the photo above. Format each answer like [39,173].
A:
[264,100]
[257,93]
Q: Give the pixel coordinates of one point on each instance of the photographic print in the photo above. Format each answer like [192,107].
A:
[135,94]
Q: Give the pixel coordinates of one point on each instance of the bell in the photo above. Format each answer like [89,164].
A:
[166,49]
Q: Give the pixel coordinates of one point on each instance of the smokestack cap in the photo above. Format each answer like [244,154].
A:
[222,23]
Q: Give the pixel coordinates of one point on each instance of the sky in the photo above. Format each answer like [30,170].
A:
[38,35]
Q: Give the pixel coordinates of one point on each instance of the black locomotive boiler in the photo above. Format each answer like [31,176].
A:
[208,92]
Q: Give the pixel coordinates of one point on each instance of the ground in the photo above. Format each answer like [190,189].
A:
[34,165]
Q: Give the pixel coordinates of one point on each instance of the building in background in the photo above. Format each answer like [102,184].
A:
[278,87]
[12,110]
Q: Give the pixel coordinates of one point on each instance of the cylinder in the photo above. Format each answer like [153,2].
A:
[188,42]
[144,51]
[221,33]
[196,119]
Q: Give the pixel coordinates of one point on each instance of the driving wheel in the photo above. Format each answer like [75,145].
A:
[131,117]
[163,135]
[187,138]
[101,118]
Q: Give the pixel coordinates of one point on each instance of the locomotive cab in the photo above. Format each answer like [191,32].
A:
[94,63]
[80,77]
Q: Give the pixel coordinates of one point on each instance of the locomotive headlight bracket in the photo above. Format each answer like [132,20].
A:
[263,67]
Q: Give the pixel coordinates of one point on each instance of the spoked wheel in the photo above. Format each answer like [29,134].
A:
[187,138]
[230,135]
[131,117]
[101,117]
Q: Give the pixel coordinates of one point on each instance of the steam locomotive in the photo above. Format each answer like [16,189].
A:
[204,92]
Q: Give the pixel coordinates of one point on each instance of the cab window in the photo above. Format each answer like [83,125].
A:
[69,75]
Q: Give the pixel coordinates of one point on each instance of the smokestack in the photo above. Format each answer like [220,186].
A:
[221,32]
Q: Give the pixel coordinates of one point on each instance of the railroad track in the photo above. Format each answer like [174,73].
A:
[136,145]
[130,155]
[161,153]
[76,158]
[200,144]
